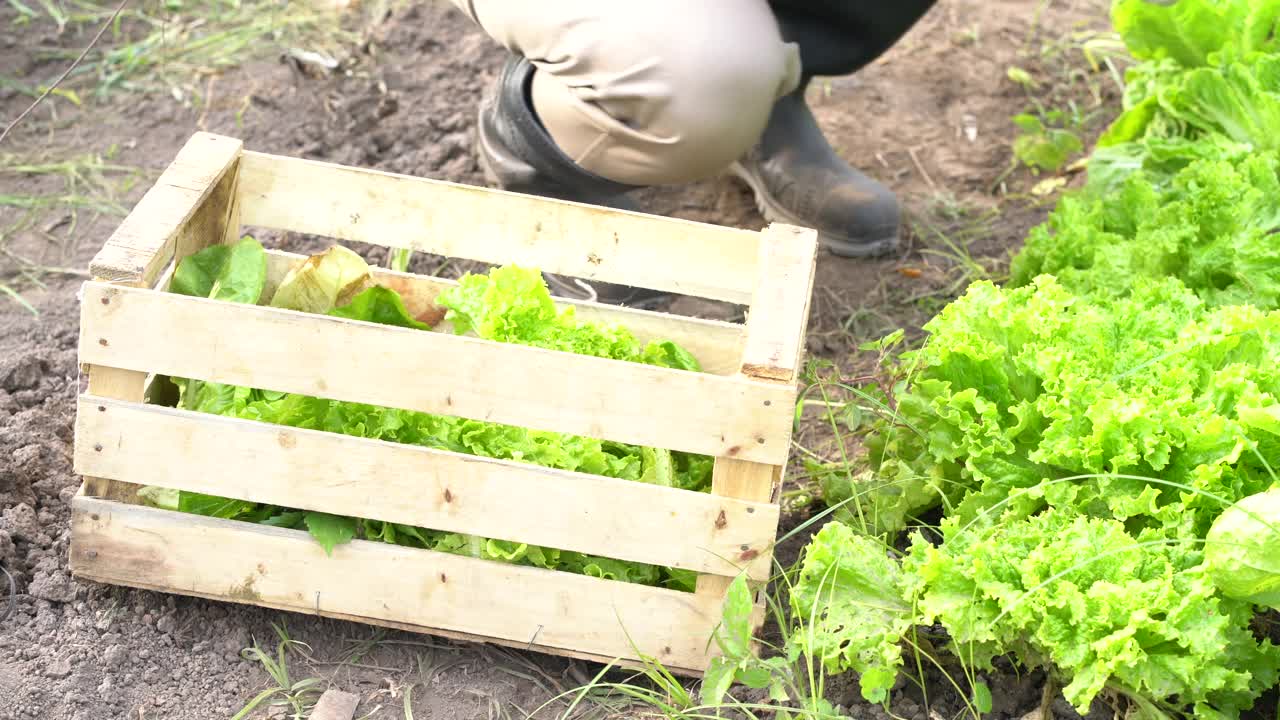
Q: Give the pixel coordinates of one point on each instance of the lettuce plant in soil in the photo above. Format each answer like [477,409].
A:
[510,304]
[1103,435]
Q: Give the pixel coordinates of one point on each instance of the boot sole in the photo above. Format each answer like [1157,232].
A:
[835,244]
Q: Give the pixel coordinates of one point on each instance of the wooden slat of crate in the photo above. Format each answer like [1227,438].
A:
[520,502]
[497,227]
[717,345]
[433,372]
[376,582]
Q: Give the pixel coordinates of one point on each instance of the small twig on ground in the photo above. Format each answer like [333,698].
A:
[920,166]
[208,103]
[47,91]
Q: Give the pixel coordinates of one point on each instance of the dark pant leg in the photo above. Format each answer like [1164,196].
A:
[839,37]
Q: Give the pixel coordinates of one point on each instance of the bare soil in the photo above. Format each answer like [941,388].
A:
[932,119]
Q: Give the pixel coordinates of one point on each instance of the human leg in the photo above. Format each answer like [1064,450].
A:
[640,94]
[796,175]
[600,99]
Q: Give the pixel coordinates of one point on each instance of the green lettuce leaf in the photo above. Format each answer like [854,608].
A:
[1097,605]
[379,305]
[234,273]
[512,304]
[1212,225]
[666,353]
[1190,32]
[330,530]
[1242,549]
[852,606]
[1208,81]
[212,506]
[1014,388]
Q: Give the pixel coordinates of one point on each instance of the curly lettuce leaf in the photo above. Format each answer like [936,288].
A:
[1213,225]
[852,607]
[1017,387]
[512,304]
[1097,606]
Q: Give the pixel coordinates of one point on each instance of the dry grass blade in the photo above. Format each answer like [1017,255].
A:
[9,128]
[47,215]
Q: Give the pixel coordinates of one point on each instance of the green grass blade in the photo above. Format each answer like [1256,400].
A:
[19,299]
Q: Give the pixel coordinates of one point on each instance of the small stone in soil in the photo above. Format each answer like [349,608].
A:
[53,586]
[20,522]
[58,669]
[113,656]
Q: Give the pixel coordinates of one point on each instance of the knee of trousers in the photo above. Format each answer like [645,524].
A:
[658,98]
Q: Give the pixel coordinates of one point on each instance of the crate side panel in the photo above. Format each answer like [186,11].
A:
[437,373]
[493,226]
[117,543]
[316,470]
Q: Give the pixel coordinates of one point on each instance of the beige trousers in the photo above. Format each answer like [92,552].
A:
[648,93]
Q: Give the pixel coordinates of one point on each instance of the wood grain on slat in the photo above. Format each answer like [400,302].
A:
[462,221]
[274,567]
[717,345]
[328,472]
[433,372]
[743,480]
[190,206]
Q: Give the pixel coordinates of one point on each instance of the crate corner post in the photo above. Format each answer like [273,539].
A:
[777,322]
[193,204]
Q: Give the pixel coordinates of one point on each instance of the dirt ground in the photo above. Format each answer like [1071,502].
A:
[932,119]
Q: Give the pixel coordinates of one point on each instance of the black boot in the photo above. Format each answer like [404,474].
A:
[798,178]
[517,154]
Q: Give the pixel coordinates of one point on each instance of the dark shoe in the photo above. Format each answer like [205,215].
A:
[798,179]
[517,154]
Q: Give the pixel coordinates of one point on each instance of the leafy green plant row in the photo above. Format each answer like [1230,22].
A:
[1102,437]
[509,304]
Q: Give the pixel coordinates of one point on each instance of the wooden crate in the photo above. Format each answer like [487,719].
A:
[739,411]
